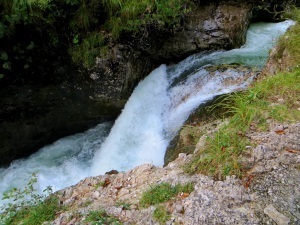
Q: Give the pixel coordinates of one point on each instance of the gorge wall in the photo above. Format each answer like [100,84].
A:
[32,116]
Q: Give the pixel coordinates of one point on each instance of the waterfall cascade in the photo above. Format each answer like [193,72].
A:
[153,114]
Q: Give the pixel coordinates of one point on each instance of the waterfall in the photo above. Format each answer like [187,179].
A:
[152,116]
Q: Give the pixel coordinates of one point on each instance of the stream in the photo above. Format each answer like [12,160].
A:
[151,118]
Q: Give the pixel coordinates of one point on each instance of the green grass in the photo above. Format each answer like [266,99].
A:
[131,18]
[275,98]
[272,98]
[291,41]
[161,215]
[36,214]
[101,217]
[27,207]
[123,204]
[163,192]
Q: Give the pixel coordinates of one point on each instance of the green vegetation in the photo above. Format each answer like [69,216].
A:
[28,207]
[123,204]
[164,192]
[272,98]
[36,214]
[185,142]
[291,41]
[161,215]
[138,16]
[130,18]
[89,27]
[101,217]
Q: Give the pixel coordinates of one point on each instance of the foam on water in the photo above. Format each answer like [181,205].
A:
[153,114]
[61,164]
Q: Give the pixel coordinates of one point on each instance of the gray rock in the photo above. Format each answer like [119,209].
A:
[278,217]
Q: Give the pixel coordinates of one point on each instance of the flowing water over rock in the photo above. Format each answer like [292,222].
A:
[153,114]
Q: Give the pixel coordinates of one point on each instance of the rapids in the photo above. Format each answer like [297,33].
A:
[154,113]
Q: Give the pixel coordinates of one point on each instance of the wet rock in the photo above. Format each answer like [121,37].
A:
[209,26]
[31,119]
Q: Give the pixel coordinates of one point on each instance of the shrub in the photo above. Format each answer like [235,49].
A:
[28,207]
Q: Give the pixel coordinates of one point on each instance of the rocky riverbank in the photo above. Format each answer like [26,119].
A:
[268,193]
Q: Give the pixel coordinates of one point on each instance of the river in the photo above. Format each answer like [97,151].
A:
[154,113]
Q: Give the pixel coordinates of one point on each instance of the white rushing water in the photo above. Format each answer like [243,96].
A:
[153,114]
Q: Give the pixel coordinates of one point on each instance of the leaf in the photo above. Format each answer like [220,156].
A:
[6,66]
[30,46]
[280,132]
[4,56]
[75,39]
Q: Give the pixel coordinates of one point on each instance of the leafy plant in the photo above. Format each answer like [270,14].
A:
[88,49]
[130,18]
[28,207]
[164,192]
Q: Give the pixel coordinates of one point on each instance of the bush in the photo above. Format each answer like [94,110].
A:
[28,207]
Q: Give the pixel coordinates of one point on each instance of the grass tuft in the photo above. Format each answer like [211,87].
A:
[164,192]
[101,217]
[274,98]
[161,215]
[36,214]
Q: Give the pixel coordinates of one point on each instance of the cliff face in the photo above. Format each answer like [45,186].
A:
[35,116]
[210,26]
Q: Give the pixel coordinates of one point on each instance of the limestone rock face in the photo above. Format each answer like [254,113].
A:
[209,26]
[267,194]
